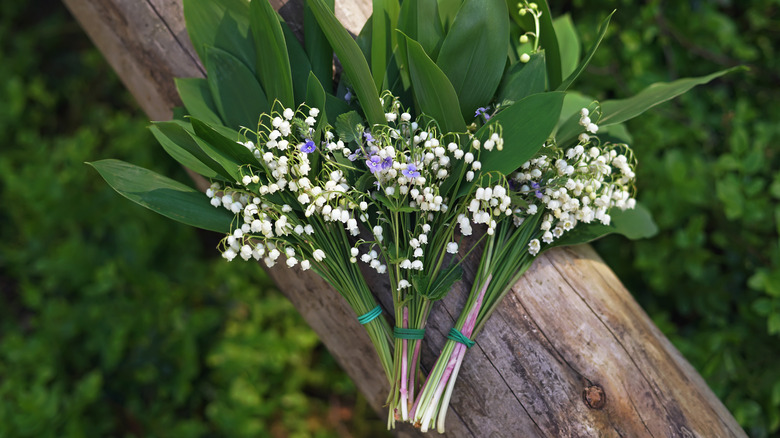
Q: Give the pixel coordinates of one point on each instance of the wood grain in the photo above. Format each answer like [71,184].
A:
[569,353]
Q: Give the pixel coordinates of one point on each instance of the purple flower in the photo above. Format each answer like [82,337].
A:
[374,163]
[308,147]
[368,137]
[482,111]
[386,163]
[411,171]
[348,96]
[354,156]
[534,185]
[539,194]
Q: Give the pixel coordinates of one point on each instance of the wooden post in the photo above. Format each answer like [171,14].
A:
[569,353]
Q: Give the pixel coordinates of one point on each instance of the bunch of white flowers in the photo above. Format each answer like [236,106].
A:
[578,185]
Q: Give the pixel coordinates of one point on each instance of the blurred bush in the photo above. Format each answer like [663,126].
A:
[115,321]
[709,170]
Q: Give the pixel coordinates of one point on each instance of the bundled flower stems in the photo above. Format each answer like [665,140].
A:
[417,147]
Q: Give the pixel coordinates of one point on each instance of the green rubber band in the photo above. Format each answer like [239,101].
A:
[408,333]
[457,336]
[370,315]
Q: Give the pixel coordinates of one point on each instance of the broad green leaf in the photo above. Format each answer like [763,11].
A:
[315,95]
[433,91]
[474,53]
[163,195]
[549,42]
[584,64]
[634,224]
[318,48]
[414,20]
[352,60]
[238,96]
[273,63]
[335,106]
[618,111]
[448,9]
[196,96]
[572,104]
[523,80]
[299,63]
[179,145]
[525,22]
[239,154]
[349,126]
[383,36]
[526,126]
[568,44]
[616,134]
[220,23]
[364,38]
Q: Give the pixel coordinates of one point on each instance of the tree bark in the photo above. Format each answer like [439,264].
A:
[568,353]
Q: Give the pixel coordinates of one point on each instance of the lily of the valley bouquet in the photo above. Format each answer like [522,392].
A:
[453,134]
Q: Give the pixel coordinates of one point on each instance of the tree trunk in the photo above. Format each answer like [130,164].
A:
[569,353]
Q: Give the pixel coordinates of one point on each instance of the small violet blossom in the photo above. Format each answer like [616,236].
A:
[538,193]
[482,111]
[376,163]
[308,147]
[411,171]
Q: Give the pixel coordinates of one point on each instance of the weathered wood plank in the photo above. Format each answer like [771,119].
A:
[568,353]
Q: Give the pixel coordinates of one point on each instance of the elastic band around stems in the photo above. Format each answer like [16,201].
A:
[457,336]
[370,315]
[408,333]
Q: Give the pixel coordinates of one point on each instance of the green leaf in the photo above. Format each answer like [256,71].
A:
[414,21]
[523,80]
[633,224]
[526,126]
[300,61]
[315,95]
[383,23]
[352,60]
[196,96]
[178,143]
[618,111]
[443,283]
[334,107]
[584,64]
[474,52]
[549,42]
[226,147]
[448,10]
[235,89]
[273,63]
[318,48]
[568,44]
[222,24]
[433,91]
[349,126]
[163,195]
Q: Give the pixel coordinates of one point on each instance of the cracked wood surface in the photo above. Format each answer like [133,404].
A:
[568,353]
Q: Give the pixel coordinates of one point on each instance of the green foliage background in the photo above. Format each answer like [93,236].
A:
[117,322]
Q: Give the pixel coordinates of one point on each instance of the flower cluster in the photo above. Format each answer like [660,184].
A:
[579,184]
